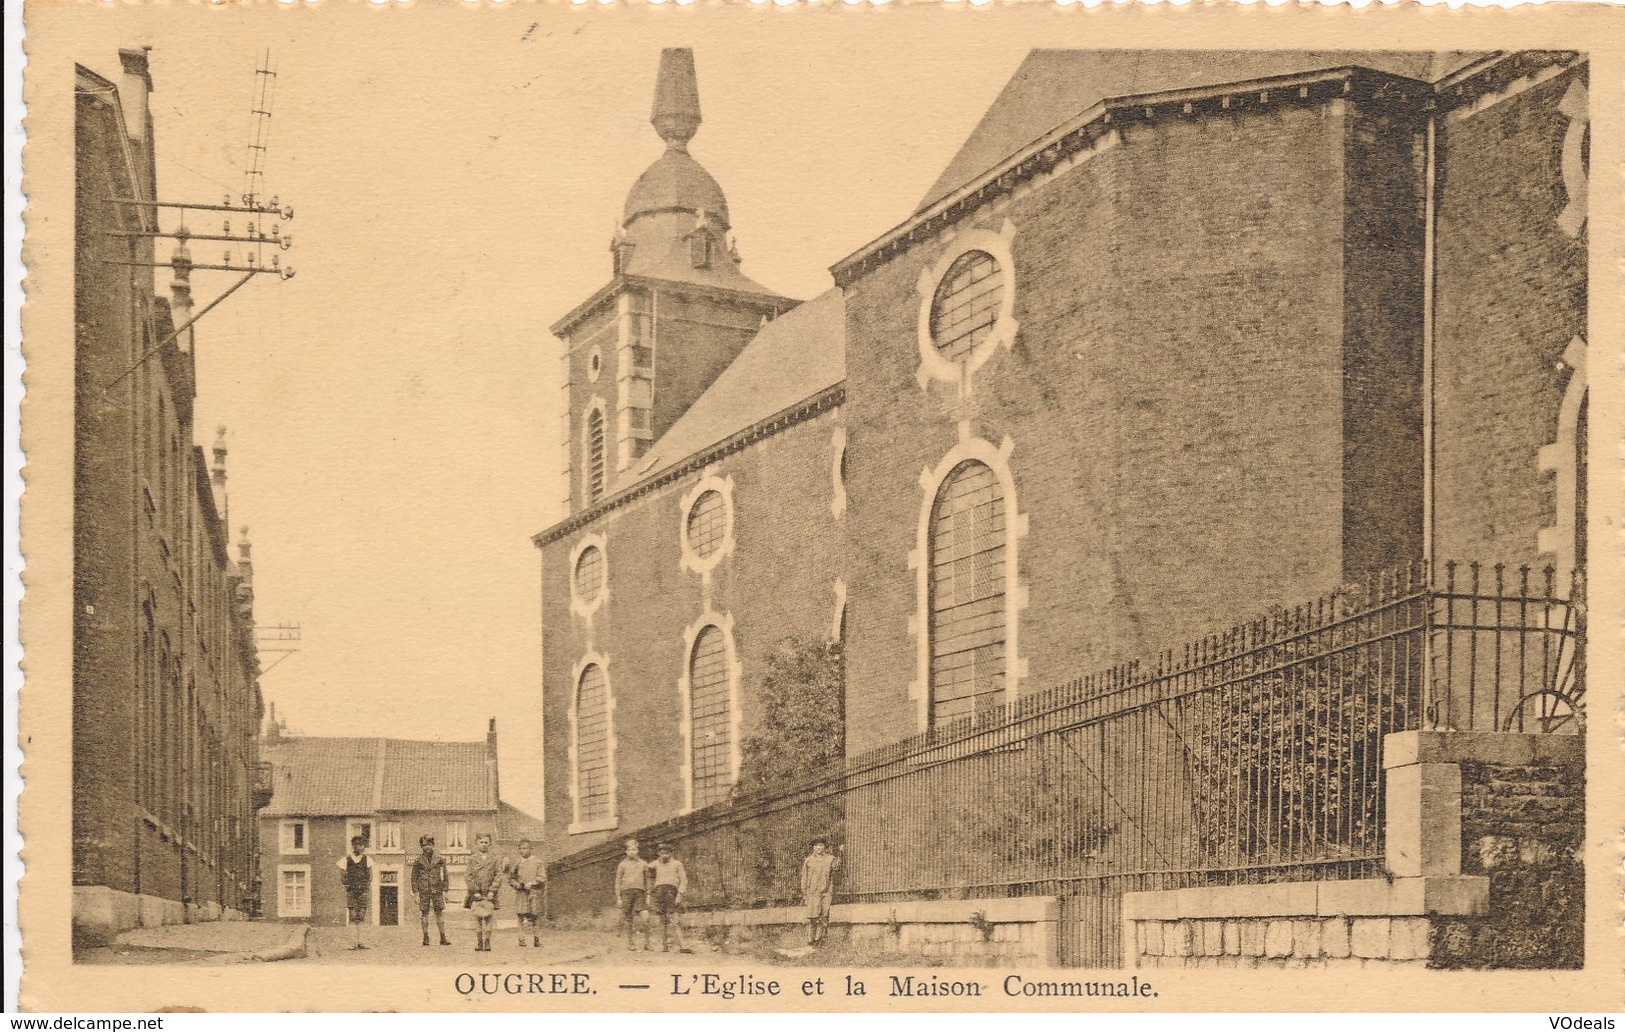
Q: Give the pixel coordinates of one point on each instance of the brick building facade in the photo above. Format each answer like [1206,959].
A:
[166,689]
[1174,339]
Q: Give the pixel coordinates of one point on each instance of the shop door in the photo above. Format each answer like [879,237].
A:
[389,898]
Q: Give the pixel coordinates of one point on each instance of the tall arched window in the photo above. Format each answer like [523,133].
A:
[595,455]
[592,746]
[967,594]
[711,718]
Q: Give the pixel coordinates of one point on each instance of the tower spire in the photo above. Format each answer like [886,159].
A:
[676,115]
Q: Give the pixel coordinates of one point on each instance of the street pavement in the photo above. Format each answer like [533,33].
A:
[403,945]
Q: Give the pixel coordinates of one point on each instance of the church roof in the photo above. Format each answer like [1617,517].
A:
[791,359]
[316,776]
[1052,86]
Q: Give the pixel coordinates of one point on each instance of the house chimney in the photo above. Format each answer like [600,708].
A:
[180,290]
[217,475]
[491,761]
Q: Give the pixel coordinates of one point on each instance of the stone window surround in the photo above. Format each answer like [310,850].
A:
[282,910]
[691,560]
[723,622]
[613,820]
[919,560]
[837,472]
[285,837]
[934,366]
[579,606]
[596,403]
[595,363]
[1558,459]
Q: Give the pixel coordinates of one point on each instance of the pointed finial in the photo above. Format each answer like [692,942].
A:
[676,114]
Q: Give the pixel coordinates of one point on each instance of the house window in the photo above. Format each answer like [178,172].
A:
[707,524]
[295,837]
[361,828]
[590,574]
[389,836]
[967,304]
[595,455]
[967,585]
[293,891]
[711,716]
[592,746]
[456,835]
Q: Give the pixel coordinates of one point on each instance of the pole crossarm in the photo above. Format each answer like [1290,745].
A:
[281,211]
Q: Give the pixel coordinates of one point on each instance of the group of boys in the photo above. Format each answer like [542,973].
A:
[430,879]
[656,887]
[651,887]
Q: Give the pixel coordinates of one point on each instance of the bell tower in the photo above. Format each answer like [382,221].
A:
[676,311]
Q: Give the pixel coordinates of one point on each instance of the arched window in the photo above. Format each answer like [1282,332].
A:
[592,746]
[711,717]
[967,586]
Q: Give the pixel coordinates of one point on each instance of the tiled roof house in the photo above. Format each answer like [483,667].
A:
[388,790]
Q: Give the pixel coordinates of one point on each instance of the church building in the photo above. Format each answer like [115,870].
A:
[1175,338]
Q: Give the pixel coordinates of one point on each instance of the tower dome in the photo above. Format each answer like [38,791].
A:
[676,182]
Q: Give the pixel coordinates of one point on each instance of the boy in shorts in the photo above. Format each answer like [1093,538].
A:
[631,891]
[666,898]
[429,881]
[355,870]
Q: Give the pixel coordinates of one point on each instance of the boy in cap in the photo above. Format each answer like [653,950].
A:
[429,881]
[818,889]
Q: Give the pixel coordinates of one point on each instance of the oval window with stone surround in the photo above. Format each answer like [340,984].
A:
[590,574]
[967,304]
[707,526]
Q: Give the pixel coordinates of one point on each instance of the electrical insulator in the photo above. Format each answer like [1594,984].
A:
[276,261]
[250,229]
[226,227]
[225,259]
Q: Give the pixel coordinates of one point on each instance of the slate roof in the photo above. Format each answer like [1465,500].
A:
[1052,86]
[791,359]
[514,824]
[345,777]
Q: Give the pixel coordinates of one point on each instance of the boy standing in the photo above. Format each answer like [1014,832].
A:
[429,881]
[818,889]
[631,889]
[484,873]
[355,870]
[528,876]
[670,883]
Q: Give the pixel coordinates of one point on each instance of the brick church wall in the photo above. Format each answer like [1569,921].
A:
[1511,295]
[778,583]
[1193,355]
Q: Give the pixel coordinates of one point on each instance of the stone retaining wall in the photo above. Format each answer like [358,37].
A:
[964,932]
[1482,845]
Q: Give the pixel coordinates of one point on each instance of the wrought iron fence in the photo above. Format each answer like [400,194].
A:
[1253,755]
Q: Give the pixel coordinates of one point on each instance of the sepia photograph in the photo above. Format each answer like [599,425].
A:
[568,508]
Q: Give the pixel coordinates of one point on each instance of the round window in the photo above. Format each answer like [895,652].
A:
[707,524]
[966,304]
[595,364]
[590,574]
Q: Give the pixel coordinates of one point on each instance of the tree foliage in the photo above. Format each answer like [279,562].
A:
[803,726]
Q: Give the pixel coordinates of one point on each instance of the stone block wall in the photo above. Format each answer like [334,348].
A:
[1282,942]
[1522,827]
[962,933]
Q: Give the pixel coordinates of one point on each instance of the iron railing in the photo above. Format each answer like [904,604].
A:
[1253,755]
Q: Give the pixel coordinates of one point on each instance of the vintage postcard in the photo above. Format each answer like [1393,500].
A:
[577,507]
